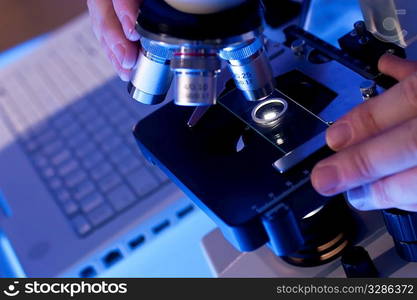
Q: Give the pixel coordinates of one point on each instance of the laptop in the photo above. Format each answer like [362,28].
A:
[76,195]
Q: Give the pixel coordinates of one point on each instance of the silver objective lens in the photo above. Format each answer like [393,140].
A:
[195,76]
[251,69]
[152,76]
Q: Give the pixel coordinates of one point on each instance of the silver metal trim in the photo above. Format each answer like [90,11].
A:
[266,102]
[300,153]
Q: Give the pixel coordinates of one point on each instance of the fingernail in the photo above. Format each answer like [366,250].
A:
[339,135]
[326,179]
[357,197]
[119,51]
[130,60]
[124,77]
[129,29]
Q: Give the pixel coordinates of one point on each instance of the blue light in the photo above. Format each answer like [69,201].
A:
[9,263]
[330,19]
[20,51]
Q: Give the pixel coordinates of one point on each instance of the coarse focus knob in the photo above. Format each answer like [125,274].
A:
[358,264]
[402,225]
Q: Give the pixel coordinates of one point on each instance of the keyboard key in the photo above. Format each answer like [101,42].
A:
[75,177]
[52,148]
[121,197]
[103,97]
[109,181]
[117,155]
[61,157]
[67,167]
[128,164]
[81,190]
[96,124]
[62,119]
[81,225]
[110,106]
[119,116]
[142,181]
[100,214]
[70,207]
[91,202]
[103,134]
[85,148]
[48,172]
[87,115]
[92,159]
[63,195]
[101,169]
[31,145]
[78,139]
[111,143]
[55,183]
[40,160]
[70,129]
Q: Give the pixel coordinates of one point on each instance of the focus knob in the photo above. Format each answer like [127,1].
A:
[358,264]
[402,226]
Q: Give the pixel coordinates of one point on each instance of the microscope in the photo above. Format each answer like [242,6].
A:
[248,117]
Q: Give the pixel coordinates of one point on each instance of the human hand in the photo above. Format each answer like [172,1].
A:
[376,145]
[114,26]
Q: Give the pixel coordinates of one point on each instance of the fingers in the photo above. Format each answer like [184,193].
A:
[108,30]
[396,191]
[396,67]
[394,107]
[123,73]
[391,152]
[127,12]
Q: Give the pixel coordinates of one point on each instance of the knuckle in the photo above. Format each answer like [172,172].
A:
[362,165]
[364,119]
[381,195]
[410,90]
[91,5]
[104,29]
[412,140]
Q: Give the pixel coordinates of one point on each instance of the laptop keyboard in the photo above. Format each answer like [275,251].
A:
[88,157]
